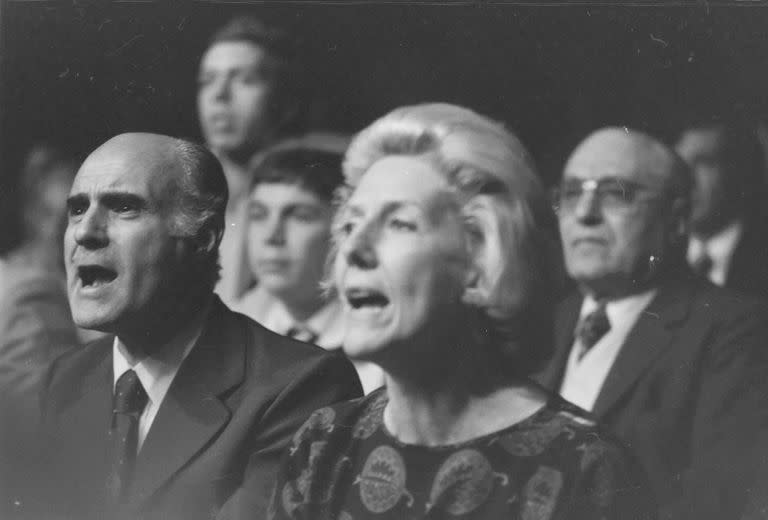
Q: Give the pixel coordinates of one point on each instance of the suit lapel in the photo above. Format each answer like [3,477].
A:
[82,416]
[565,324]
[193,411]
[650,337]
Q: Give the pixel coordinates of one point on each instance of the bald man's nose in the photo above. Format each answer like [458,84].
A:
[90,230]
[588,210]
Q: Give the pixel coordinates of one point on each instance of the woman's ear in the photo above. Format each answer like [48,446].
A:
[473,294]
[480,225]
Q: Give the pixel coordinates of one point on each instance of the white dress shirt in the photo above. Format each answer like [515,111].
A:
[327,323]
[584,378]
[156,372]
[719,248]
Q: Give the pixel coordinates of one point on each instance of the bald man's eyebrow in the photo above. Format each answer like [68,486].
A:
[119,202]
[76,204]
[123,201]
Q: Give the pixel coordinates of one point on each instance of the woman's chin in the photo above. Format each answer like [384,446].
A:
[364,350]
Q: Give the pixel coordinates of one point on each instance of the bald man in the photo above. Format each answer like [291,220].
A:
[672,364]
[185,403]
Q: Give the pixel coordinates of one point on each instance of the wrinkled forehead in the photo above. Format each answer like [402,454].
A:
[620,155]
[407,177]
[147,171]
[403,181]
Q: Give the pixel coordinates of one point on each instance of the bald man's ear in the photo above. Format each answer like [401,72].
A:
[681,212]
[208,238]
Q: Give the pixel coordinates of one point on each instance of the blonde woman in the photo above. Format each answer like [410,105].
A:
[445,263]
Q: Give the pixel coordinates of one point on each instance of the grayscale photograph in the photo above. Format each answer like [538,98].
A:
[386,260]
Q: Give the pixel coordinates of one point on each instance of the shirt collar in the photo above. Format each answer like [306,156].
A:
[619,308]
[326,322]
[720,246]
[156,372]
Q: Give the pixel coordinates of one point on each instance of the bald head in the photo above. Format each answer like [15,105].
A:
[146,214]
[638,155]
[186,177]
[136,154]
[623,211]
[139,146]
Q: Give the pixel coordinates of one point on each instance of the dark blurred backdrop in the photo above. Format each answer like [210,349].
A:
[79,72]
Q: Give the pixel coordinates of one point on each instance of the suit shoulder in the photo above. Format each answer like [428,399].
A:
[281,347]
[270,356]
[83,358]
[568,301]
[722,303]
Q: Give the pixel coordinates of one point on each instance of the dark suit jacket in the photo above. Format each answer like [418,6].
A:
[235,402]
[688,393]
[748,270]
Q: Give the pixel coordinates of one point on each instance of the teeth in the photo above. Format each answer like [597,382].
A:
[94,275]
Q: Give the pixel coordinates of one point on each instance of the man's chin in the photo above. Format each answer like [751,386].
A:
[707,225]
[95,323]
[232,148]
[364,347]
[587,274]
[277,286]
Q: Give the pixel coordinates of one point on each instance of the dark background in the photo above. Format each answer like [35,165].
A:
[78,73]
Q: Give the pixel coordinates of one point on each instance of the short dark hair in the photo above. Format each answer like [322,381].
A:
[277,41]
[319,171]
[202,199]
[286,50]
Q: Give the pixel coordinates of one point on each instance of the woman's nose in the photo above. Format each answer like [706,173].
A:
[359,248]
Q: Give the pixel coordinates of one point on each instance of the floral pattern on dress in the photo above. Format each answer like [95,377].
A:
[371,418]
[382,482]
[321,420]
[554,465]
[463,482]
[540,495]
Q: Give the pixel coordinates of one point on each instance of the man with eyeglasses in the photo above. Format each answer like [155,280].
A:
[670,363]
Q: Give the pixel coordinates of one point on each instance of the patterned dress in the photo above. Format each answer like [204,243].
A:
[555,464]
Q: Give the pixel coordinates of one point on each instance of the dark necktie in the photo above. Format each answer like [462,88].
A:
[302,333]
[128,403]
[703,265]
[591,328]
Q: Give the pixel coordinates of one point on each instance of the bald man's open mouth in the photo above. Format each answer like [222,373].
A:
[95,276]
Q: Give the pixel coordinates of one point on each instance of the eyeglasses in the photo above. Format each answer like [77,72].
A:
[612,194]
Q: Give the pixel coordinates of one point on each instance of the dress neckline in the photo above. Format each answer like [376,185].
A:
[537,417]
